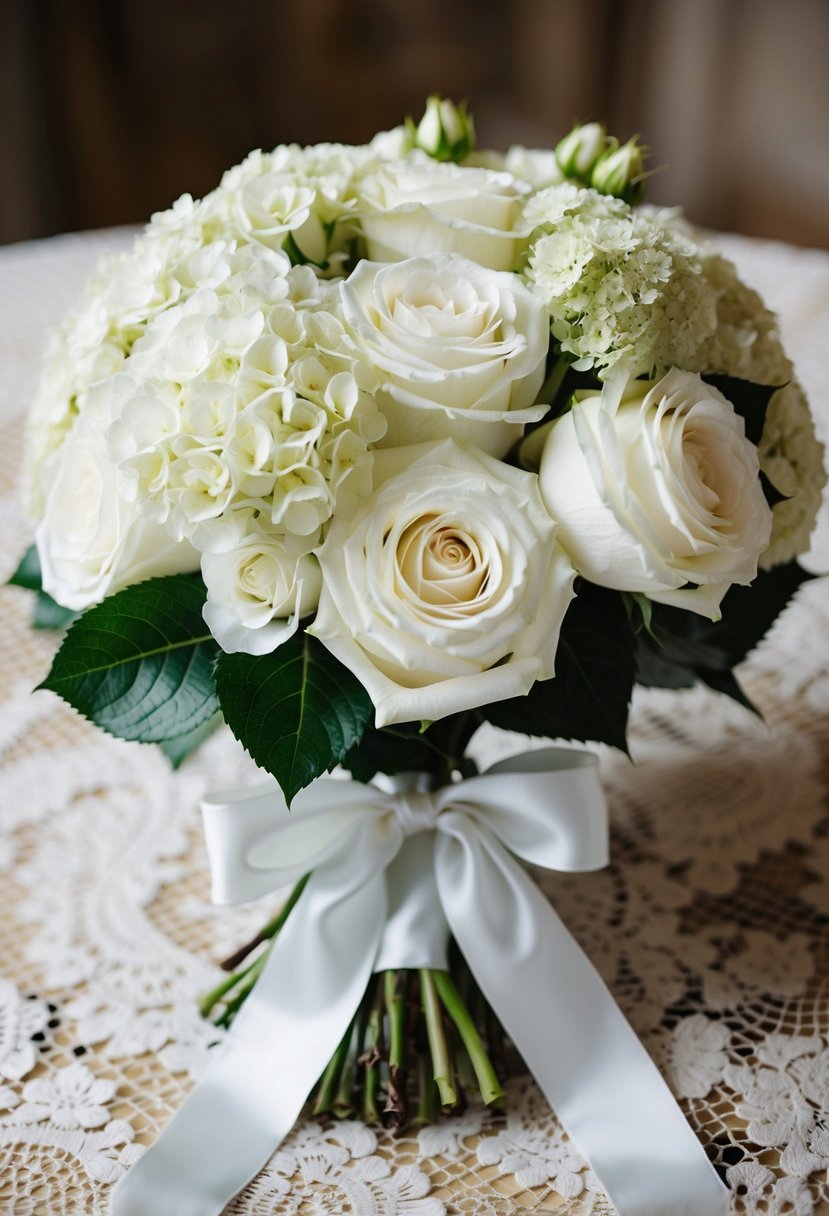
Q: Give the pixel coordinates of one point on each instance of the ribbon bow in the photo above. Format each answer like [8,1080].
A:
[391,875]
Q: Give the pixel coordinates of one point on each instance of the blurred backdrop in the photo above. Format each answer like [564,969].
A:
[109,109]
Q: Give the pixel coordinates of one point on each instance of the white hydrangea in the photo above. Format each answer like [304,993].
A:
[232,400]
[243,410]
[621,288]
[634,287]
[310,193]
[746,343]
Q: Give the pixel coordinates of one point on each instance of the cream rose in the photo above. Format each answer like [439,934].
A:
[461,349]
[258,586]
[656,489]
[448,589]
[91,540]
[417,206]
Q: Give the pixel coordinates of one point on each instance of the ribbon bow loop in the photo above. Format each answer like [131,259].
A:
[393,873]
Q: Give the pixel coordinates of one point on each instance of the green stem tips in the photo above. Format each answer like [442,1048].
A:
[414,1030]
[488,1083]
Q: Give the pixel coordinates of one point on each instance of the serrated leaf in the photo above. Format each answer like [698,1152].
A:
[139,665]
[297,711]
[728,684]
[48,614]
[749,612]
[177,750]
[684,647]
[589,697]
[28,573]
[751,401]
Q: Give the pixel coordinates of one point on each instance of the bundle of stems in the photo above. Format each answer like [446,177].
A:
[420,1042]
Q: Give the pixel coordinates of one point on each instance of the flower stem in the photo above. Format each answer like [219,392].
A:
[550,387]
[269,931]
[212,997]
[453,735]
[371,1056]
[426,1091]
[331,1077]
[344,1098]
[443,1071]
[248,978]
[394,990]
[488,1083]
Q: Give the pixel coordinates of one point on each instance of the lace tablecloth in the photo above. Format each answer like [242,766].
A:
[710,927]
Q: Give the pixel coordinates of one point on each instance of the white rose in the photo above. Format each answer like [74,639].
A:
[393,144]
[448,589]
[538,166]
[258,586]
[420,206]
[91,540]
[654,487]
[462,349]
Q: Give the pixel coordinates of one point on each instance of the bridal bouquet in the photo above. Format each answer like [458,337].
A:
[367,448]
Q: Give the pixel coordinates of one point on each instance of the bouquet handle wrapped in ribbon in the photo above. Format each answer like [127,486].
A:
[391,876]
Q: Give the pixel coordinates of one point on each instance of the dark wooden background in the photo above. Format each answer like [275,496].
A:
[111,108]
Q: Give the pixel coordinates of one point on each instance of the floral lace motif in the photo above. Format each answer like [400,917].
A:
[709,927]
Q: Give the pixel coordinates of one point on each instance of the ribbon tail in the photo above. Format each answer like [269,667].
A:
[597,1076]
[279,1044]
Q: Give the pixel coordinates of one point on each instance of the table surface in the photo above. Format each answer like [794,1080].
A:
[710,927]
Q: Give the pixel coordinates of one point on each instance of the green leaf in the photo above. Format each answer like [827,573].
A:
[178,749]
[396,749]
[728,684]
[751,401]
[655,670]
[589,696]
[639,610]
[749,612]
[297,257]
[297,711]
[684,647]
[27,573]
[48,614]
[139,665]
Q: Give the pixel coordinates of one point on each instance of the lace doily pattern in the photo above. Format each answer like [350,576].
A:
[710,927]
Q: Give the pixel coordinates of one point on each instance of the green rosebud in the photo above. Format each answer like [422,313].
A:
[578,152]
[445,131]
[621,171]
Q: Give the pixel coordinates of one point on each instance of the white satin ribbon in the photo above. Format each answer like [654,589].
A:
[392,875]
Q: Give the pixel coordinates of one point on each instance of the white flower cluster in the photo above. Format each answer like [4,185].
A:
[746,343]
[308,193]
[306,385]
[622,289]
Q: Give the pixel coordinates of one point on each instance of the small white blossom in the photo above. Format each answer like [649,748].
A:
[621,289]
